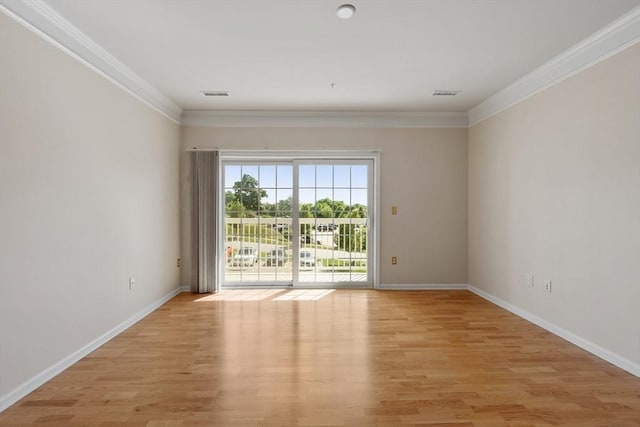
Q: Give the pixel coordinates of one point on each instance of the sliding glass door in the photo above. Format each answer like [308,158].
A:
[333,219]
[298,223]
[258,223]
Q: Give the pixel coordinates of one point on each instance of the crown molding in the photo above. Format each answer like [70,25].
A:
[40,18]
[601,45]
[205,118]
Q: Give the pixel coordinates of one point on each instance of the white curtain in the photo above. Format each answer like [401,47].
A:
[204,200]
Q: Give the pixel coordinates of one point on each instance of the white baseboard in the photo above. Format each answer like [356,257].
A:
[186,288]
[423,287]
[584,344]
[44,376]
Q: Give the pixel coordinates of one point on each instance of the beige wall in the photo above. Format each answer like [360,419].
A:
[89,195]
[554,191]
[423,172]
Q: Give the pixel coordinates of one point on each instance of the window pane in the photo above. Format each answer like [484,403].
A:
[342,197]
[359,197]
[324,176]
[267,176]
[359,176]
[270,198]
[285,176]
[307,176]
[285,199]
[231,175]
[307,196]
[341,176]
[249,177]
[324,203]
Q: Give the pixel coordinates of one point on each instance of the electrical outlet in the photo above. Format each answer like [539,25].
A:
[132,283]
[394,260]
[178,262]
[531,281]
[547,286]
[394,210]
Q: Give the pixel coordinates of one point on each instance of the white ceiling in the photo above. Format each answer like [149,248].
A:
[284,54]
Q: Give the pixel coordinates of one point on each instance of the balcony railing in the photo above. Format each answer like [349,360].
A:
[330,249]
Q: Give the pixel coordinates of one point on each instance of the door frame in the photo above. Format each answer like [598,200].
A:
[296,158]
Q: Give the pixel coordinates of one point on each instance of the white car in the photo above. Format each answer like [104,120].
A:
[307,259]
[277,257]
[245,257]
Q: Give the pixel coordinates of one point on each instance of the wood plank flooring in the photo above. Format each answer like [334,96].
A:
[325,358]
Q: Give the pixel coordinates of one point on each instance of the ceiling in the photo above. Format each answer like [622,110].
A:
[285,54]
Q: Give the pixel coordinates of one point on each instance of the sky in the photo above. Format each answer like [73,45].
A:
[340,182]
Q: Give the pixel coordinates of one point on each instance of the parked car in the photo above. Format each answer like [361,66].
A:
[323,228]
[305,238]
[307,259]
[277,257]
[245,257]
[282,228]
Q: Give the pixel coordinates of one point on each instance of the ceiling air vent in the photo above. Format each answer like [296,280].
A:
[439,92]
[215,93]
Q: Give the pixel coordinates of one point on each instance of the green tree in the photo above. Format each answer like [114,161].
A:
[229,199]
[324,208]
[248,193]
[357,211]
[307,210]
[284,207]
[267,210]
[234,208]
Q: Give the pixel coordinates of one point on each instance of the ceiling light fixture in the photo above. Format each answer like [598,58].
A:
[346,11]
[215,93]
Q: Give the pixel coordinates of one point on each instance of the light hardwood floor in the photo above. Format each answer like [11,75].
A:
[347,357]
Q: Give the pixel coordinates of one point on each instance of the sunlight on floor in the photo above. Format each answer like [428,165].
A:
[242,295]
[304,295]
[263,294]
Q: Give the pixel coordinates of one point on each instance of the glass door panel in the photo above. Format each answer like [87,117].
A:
[333,211]
[258,223]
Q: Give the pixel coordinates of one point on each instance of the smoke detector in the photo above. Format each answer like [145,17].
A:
[346,11]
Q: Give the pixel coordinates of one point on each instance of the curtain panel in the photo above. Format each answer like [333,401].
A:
[204,199]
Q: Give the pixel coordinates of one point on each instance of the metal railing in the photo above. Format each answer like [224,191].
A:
[330,249]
